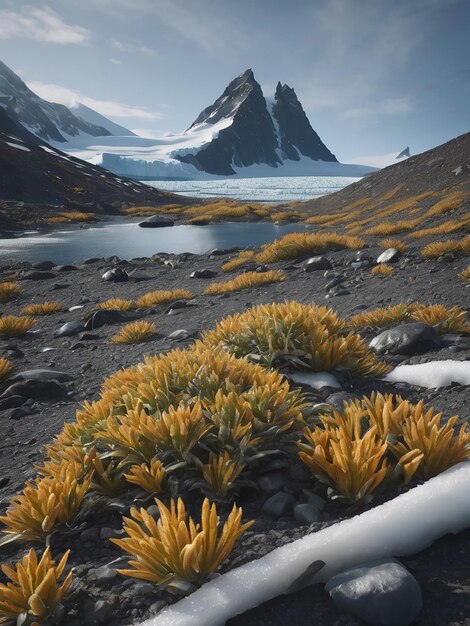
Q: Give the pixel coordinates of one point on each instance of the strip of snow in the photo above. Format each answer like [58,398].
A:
[432,374]
[400,527]
[18,146]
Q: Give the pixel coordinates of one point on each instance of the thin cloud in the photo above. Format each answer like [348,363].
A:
[390,107]
[40,24]
[108,108]
[132,48]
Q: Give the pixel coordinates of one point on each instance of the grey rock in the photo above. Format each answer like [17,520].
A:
[91,261]
[108,317]
[105,575]
[115,275]
[272,482]
[316,501]
[411,338]
[88,337]
[36,389]
[90,534]
[43,374]
[65,268]
[307,514]
[261,269]
[337,280]
[182,334]
[382,593]
[107,533]
[339,398]
[4,480]
[12,402]
[390,255]
[317,263]
[43,265]
[204,273]
[338,290]
[138,276]
[156,221]
[358,265]
[363,255]
[69,329]
[223,251]
[101,613]
[177,304]
[16,414]
[278,504]
[37,275]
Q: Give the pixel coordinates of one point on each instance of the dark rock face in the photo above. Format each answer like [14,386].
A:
[412,338]
[50,119]
[111,316]
[380,592]
[251,137]
[296,133]
[156,221]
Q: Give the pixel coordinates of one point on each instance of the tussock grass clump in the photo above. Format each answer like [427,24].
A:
[465,274]
[295,245]
[382,269]
[45,503]
[446,228]
[118,304]
[6,368]
[450,246]
[304,336]
[135,332]
[71,216]
[391,228]
[152,298]
[8,290]
[244,258]
[14,326]
[246,281]
[390,242]
[381,437]
[450,202]
[381,316]
[43,308]
[448,320]
[34,590]
[176,552]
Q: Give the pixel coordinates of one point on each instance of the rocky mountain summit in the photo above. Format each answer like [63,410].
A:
[48,120]
[260,131]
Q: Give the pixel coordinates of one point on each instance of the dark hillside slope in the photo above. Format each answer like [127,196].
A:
[409,190]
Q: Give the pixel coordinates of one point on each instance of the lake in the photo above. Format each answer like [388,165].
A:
[269,189]
[74,244]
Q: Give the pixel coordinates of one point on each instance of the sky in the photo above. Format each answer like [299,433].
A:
[373,76]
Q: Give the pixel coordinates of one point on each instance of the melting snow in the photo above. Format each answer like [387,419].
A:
[403,526]
[317,380]
[432,374]
[17,146]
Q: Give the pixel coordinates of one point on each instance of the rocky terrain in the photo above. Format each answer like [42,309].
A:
[38,409]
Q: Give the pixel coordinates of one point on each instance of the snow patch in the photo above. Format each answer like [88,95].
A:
[17,146]
[403,526]
[316,380]
[433,374]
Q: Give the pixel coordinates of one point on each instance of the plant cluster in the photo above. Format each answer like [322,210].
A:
[295,245]
[161,296]
[15,326]
[116,304]
[135,332]
[43,308]
[450,246]
[304,336]
[382,269]
[246,281]
[6,368]
[381,438]
[34,590]
[8,290]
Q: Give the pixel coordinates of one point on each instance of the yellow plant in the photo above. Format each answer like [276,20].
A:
[34,591]
[72,216]
[465,274]
[450,246]
[180,429]
[294,245]
[440,444]
[116,304]
[393,243]
[452,226]
[6,368]
[390,228]
[453,320]
[305,336]
[175,552]
[450,202]
[44,308]
[8,290]
[244,258]
[43,504]
[148,476]
[382,269]
[353,463]
[135,332]
[381,316]
[221,472]
[13,326]
[246,281]
[152,298]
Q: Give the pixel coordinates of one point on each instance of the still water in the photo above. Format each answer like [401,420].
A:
[127,240]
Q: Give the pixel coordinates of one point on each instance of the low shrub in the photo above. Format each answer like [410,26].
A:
[116,304]
[153,298]
[44,308]
[13,326]
[135,332]
[246,281]
[6,368]
[382,269]
[295,245]
[8,290]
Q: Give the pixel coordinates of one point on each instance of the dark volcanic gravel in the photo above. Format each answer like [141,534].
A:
[101,596]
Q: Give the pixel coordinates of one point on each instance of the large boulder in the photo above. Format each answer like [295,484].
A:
[107,317]
[411,338]
[382,593]
[116,275]
[156,221]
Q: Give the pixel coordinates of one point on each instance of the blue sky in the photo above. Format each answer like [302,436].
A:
[372,75]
